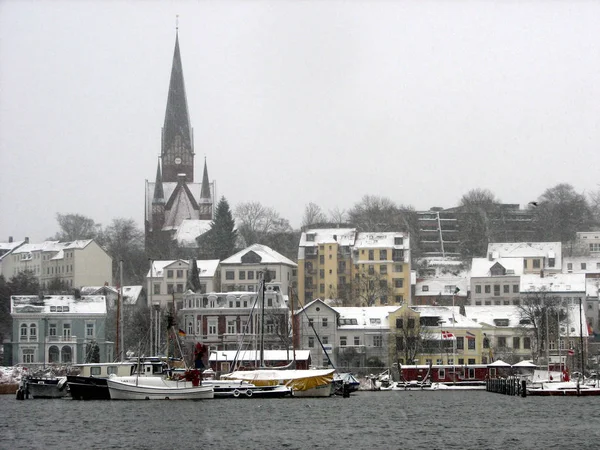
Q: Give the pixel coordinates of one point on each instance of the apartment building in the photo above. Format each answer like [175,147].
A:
[358,268]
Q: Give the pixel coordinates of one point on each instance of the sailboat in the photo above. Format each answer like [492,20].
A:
[303,383]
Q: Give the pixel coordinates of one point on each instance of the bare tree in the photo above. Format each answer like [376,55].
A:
[476,223]
[76,226]
[255,221]
[368,287]
[338,216]
[313,214]
[124,241]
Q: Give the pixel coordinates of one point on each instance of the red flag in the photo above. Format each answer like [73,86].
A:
[571,352]
[447,335]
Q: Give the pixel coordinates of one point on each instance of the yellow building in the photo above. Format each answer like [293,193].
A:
[360,269]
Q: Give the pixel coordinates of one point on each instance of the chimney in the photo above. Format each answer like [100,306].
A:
[10,239]
[26,239]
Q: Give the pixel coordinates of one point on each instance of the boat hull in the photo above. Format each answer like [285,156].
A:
[324,390]
[152,388]
[48,388]
[88,388]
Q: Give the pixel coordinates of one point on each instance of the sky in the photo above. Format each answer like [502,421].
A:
[294,102]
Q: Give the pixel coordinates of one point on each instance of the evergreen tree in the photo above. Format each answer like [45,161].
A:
[194,279]
[219,242]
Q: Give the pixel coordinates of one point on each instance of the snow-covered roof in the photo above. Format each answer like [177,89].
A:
[63,304]
[266,254]
[442,286]
[7,247]
[559,282]
[343,236]
[40,246]
[189,230]
[527,250]
[254,355]
[592,287]
[480,267]
[206,267]
[446,314]
[375,317]
[381,240]
[486,315]
[131,294]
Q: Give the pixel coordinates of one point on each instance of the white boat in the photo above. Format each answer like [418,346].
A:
[157,388]
[303,383]
[558,388]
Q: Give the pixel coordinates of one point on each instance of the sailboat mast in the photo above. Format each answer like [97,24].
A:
[262,319]
[121,312]
[581,338]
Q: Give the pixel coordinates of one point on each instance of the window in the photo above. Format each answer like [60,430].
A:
[170,288]
[250,274]
[383,269]
[378,341]
[371,255]
[242,275]
[229,275]
[28,355]
[23,332]
[501,341]
[356,340]
[111,369]
[411,323]
[52,330]
[179,288]
[398,298]
[398,268]
[383,255]
[399,323]
[471,344]
[398,241]
[231,326]
[569,266]
[324,322]
[343,341]
[310,237]
[460,343]
[89,330]
[551,262]
[515,288]
[321,273]
[425,288]
[321,259]
[371,270]
[496,290]
[536,263]
[179,273]
[169,274]
[311,342]
[311,322]
[67,331]
[488,289]
[583,266]
[156,290]
[32,332]
[321,288]
[95,371]
[472,361]
[325,340]
[478,289]
[527,343]
[524,264]
[399,283]
[506,289]
[66,354]
[212,327]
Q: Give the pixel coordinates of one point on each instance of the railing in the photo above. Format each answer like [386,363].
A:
[50,339]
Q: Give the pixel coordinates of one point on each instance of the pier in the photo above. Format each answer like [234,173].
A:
[507,386]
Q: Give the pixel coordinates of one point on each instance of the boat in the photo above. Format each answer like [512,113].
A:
[242,389]
[90,383]
[561,388]
[46,386]
[345,383]
[303,383]
[138,387]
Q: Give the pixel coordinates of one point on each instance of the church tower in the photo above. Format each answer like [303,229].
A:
[177,149]
[206,200]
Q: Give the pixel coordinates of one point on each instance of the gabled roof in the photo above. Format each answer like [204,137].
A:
[480,267]
[315,302]
[438,286]
[526,250]
[266,254]
[206,267]
[189,230]
[343,236]
[381,240]
[7,248]
[373,317]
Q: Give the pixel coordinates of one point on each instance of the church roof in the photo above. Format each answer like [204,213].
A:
[205,192]
[177,120]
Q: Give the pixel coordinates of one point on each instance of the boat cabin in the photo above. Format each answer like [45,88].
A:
[104,370]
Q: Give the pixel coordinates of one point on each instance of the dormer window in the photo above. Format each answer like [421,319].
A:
[310,237]
[501,322]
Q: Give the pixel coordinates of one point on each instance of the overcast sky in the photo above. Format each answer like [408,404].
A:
[295,101]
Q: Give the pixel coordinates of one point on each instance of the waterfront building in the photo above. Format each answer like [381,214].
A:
[240,272]
[58,330]
[228,320]
[75,264]
[359,268]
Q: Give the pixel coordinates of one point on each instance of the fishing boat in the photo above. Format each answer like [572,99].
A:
[160,388]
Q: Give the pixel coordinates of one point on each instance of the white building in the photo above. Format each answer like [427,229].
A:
[167,280]
[240,272]
[581,264]
[590,240]
[536,256]
[77,263]
[496,281]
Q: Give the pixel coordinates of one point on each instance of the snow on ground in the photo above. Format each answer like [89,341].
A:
[10,375]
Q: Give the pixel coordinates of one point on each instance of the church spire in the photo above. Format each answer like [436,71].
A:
[159,195]
[205,204]
[177,151]
[205,191]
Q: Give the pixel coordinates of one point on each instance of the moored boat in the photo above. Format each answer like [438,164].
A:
[90,383]
[158,388]
[47,387]
[303,383]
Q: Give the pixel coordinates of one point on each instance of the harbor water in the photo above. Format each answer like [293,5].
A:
[366,420]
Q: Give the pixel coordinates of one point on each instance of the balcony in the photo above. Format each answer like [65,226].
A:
[61,339]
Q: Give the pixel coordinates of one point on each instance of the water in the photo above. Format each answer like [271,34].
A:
[366,420]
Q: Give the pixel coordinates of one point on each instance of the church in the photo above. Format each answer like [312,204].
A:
[177,210]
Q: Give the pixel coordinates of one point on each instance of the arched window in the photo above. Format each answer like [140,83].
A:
[53,355]
[66,355]
[32,332]
[28,355]
[24,332]
[190,329]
